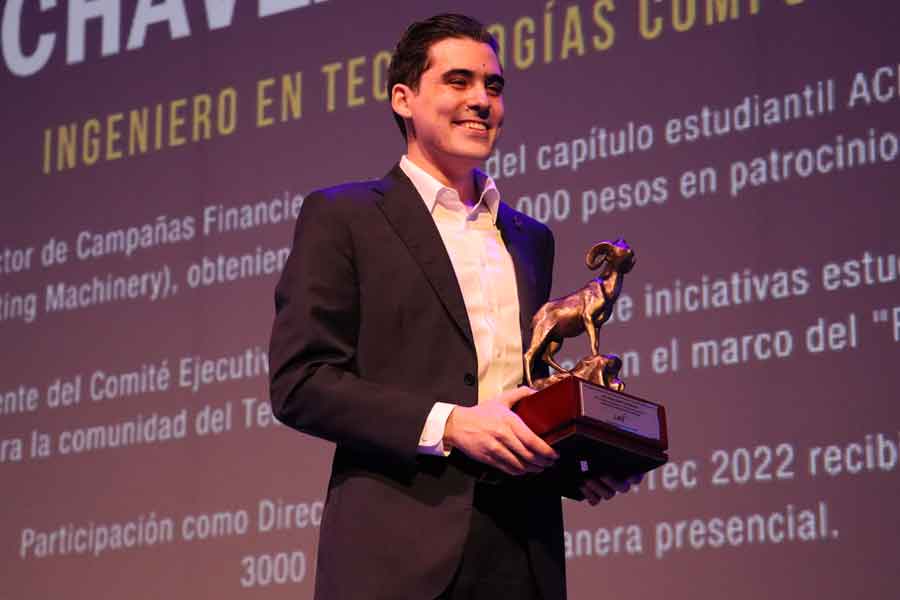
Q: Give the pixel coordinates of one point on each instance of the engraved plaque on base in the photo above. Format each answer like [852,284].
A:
[596,430]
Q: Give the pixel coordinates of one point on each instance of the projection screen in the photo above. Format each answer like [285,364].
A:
[155,159]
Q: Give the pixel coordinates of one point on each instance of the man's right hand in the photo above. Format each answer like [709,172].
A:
[493,434]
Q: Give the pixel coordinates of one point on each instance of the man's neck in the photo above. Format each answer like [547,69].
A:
[457,177]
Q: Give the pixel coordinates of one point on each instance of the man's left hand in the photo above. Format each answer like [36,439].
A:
[600,488]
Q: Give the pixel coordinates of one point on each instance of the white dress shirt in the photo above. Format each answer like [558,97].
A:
[487,279]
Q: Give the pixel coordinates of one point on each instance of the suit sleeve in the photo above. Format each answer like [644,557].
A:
[314,385]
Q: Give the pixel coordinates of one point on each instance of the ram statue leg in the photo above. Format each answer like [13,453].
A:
[592,336]
[552,348]
[539,339]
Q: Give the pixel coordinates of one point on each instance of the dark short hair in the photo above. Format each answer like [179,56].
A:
[410,58]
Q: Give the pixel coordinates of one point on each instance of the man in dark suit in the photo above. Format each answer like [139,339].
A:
[401,316]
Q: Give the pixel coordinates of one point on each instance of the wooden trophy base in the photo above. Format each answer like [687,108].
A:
[597,432]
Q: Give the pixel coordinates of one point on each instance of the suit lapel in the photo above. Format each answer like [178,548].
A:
[405,211]
[511,228]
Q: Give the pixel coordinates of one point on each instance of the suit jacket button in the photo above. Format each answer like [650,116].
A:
[469,379]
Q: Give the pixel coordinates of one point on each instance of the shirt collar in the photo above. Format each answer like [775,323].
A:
[429,187]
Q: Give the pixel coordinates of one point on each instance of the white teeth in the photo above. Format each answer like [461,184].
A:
[475,125]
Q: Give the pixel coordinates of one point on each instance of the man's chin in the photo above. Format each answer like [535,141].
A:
[470,160]
[462,156]
[478,152]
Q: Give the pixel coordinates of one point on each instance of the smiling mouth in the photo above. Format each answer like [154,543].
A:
[473,125]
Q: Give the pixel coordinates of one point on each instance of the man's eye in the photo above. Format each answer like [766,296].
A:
[458,82]
[495,88]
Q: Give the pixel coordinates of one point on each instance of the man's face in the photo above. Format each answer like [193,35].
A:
[457,111]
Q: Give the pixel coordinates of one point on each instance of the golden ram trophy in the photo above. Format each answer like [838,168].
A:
[584,412]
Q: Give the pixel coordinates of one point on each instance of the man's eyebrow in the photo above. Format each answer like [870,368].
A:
[468,74]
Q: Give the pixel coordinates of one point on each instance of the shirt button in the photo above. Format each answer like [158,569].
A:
[469,379]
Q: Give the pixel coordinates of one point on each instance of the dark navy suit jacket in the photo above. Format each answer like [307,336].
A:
[370,331]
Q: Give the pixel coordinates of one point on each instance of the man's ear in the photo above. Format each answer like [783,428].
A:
[401,94]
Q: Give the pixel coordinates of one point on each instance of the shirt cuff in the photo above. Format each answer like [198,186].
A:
[432,439]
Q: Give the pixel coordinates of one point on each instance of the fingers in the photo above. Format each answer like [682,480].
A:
[519,446]
[530,451]
[595,490]
[528,446]
[533,453]
[618,485]
[492,434]
[510,397]
[601,488]
[538,451]
[500,457]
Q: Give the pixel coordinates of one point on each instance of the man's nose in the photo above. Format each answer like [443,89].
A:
[478,101]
